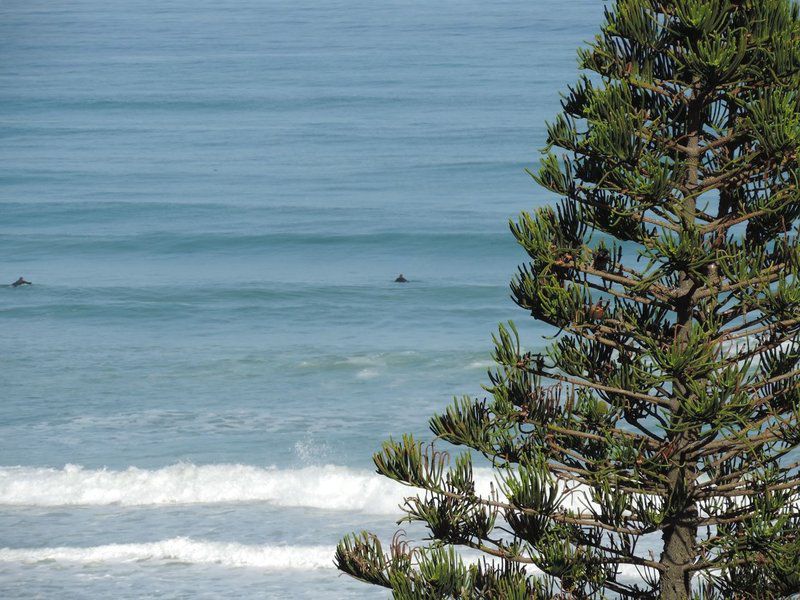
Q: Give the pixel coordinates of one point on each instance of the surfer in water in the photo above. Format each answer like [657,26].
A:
[21,281]
[401,279]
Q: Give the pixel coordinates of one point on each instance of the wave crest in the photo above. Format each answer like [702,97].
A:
[182,550]
[326,487]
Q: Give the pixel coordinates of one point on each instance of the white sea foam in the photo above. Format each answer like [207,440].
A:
[328,487]
[481,364]
[325,487]
[367,374]
[202,552]
[181,550]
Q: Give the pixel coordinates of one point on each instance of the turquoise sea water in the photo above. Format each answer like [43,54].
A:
[212,200]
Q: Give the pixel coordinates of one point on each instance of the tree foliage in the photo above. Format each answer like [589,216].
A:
[651,450]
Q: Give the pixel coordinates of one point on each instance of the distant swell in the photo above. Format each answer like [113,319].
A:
[182,550]
[495,243]
[327,487]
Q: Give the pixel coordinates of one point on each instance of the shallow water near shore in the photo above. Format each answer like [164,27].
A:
[212,200]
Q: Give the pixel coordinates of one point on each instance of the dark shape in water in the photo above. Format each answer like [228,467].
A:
[21,281]
[401,279]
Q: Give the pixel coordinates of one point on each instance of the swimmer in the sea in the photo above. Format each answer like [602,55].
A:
[21,281]
[401,279]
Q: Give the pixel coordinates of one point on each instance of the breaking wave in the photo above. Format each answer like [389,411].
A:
[202,552]
[325,487]
[328,487]
[181,550]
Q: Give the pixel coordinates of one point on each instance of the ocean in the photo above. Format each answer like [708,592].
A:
[212,200]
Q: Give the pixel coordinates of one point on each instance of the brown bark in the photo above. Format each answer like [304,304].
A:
[680,532]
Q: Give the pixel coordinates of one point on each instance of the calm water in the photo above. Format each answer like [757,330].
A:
[212,199]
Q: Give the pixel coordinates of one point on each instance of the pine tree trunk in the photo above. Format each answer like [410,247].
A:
[679,539]
[680,534]
[675,582]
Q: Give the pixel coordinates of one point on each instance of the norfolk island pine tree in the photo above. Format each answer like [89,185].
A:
[666,412]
